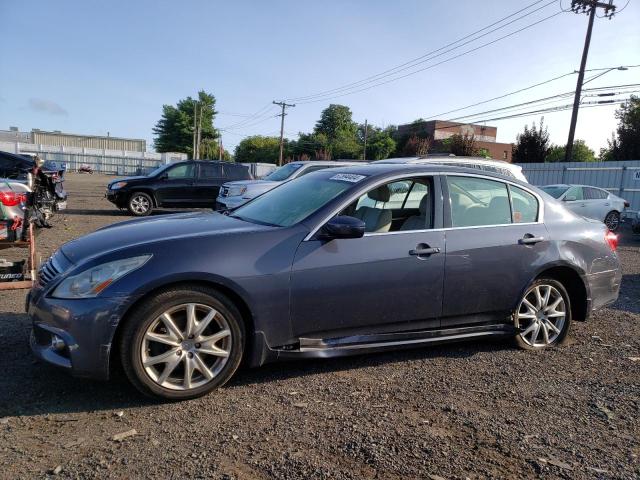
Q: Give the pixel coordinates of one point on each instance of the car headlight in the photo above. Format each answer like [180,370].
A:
[237,190]
[117,185]
[92,281]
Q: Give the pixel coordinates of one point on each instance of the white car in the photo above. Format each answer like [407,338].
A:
[234,194]
[495,166]
[590,202]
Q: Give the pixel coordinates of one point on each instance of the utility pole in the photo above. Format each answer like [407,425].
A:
[283,105]
[195,128]
[220,147]
[364,153]
[590,7]
[199,134]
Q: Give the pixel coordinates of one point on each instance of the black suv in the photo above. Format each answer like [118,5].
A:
[194,183]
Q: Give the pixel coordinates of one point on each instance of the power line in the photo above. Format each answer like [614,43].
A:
[438,63]
[411,63]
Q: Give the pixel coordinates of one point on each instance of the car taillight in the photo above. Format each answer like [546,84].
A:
[626,204]
[612,239]
[11,199]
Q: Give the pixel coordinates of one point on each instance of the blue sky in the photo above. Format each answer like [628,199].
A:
[96,67]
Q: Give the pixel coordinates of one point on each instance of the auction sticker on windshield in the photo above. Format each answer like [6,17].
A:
[348,177]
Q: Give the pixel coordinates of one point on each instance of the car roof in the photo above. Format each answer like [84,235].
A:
[452,159]
[382,169]
[326,162]
[567,185]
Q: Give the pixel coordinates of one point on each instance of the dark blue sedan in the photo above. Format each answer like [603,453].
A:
[339,262]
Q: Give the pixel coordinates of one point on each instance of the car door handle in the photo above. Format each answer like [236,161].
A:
[530,240]
[424,251]
[606,204]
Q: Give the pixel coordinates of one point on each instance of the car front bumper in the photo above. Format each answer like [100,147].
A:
[75,335]
[117,197]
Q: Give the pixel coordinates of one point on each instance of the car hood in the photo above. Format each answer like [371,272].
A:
[145,231]
[127,179]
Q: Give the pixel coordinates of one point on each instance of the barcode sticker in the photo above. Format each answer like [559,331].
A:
[348,177]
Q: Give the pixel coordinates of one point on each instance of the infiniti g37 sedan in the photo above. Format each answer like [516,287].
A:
[339,262]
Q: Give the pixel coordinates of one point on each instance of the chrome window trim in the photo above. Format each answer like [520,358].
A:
[344,204]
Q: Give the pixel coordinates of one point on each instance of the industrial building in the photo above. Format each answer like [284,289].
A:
[60,139]
[122,156]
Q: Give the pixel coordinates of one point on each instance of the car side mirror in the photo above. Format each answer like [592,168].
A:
[342,226]
[570,198]
[164,176]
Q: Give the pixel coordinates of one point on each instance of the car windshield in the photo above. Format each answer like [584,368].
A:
[555,191]
[294,201]
[282,173]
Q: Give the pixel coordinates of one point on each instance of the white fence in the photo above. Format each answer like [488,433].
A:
[620,178]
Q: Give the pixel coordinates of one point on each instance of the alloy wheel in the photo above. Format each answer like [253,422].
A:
[612,221]
[541,316]
[186,346]
[140,204]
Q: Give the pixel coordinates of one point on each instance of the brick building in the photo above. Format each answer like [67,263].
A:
[439,130]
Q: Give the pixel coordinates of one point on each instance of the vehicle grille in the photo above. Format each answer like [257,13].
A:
[224,191]
[48,271]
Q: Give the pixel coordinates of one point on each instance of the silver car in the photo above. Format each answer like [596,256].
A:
[234,194]
[590,202]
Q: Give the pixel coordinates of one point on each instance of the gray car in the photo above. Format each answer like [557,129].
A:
[339,262]
[234,194]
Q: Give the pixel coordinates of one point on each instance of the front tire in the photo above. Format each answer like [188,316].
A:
[612,220]
[182,343]
[543,315]
[140,204]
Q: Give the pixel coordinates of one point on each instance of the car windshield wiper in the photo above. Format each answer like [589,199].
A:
[253,220]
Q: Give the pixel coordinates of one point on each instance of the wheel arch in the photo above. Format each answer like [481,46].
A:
[146,190]
[235,297]
[573,281]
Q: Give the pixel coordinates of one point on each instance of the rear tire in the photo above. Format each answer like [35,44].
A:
[182,343]
[140,204]
[543,315]
[612,220]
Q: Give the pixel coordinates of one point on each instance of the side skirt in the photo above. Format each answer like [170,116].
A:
[355,345]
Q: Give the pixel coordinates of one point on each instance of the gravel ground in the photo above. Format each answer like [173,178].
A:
[476,410]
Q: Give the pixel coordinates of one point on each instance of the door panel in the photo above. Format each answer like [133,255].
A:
[177,187]
[486,270]
[578,205]
[210,178]
[371,284]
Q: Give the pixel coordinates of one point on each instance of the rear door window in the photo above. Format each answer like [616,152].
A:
[478,202]
[210,170]
[524,205]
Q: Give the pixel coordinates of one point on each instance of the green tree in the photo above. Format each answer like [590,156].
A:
[340,131]
[532,146]
[258,149]
[174,131]
[581,153]
[626,144]
[380,144]
[461,145]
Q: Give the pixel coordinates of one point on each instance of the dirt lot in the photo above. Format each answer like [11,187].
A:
[482,410]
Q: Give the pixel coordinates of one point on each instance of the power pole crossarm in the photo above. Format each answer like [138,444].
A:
[283,105]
